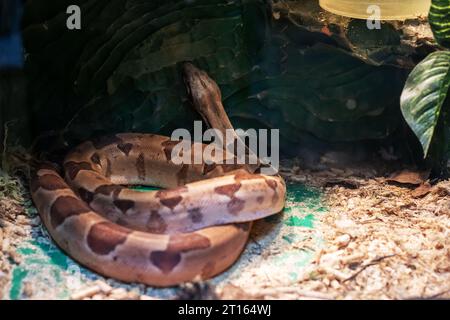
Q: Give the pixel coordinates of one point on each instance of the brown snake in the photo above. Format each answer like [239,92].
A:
[196,227]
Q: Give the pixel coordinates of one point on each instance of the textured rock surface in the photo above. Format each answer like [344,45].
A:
[289,66]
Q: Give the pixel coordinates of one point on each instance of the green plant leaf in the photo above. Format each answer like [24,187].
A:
[424,95]
[439,18]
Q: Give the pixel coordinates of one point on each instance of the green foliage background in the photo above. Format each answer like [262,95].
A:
[424,101]
[439,18]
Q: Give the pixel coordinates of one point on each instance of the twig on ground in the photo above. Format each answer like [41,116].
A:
[371,263]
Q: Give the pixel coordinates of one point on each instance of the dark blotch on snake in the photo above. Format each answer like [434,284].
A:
[172,197]
[156,223]
[104,237]
[235,205]
[125,147]
[124,205]
[182,174]
[73,168]
[207,168]
[108,168]
[65,207]
[140,166]
[48,182]
[165,261]
[95,158]
[168,147]
[228,190]
[195,215]
[86,195]
[171,202]
[178,243]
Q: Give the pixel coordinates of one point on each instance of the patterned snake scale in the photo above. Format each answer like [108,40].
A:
[196,226]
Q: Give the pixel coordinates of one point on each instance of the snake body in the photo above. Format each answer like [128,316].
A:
[196,226]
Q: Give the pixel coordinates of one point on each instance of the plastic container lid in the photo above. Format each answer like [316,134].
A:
[388,9]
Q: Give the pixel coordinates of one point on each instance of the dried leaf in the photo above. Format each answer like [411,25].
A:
[409,177]
[421,190]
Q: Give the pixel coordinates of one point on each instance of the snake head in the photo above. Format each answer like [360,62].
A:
[202,90]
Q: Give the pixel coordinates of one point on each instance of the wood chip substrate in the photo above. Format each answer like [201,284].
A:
[360,233]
